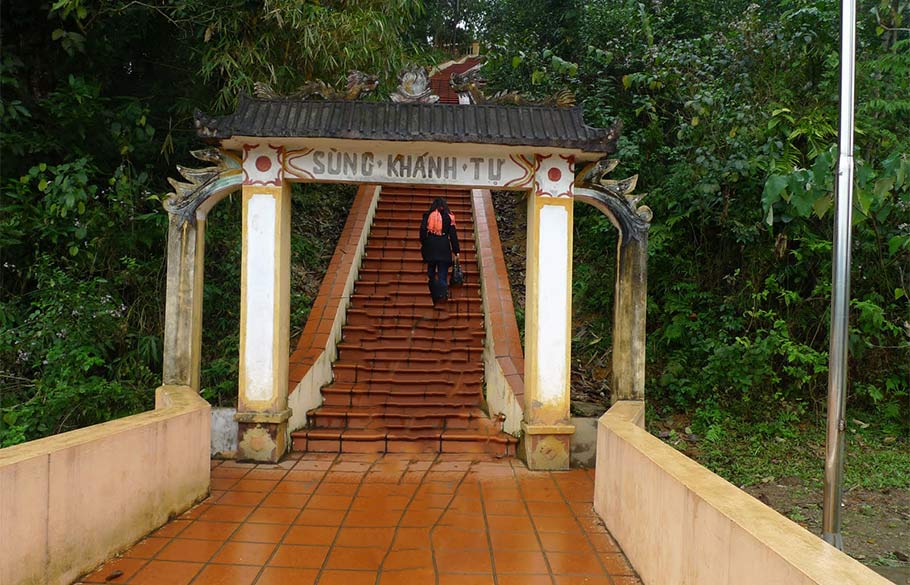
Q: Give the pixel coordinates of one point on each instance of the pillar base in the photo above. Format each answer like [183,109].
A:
[546,447]
[262,437]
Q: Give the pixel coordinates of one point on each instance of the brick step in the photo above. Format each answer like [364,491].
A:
[428,195]
[416,209]
[378,353]
[382,246]
[411,265]
[400,221]
[418,288]
[426,336]
[412,373]
[413,217]
[392,417]
[394,400]
[481,440]
[410,394]
[420,305]
[381,319]
[412,252]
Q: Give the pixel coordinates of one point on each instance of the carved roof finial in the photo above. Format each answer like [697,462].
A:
[414,87]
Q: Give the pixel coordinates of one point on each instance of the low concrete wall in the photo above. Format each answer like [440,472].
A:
[71,501]
[679,523]
[224,432]
[311,362]
[503,359]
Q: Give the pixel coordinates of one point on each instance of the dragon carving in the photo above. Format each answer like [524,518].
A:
[414,87]
[359,85]
[469,87]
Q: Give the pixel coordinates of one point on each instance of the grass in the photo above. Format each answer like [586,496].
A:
[745,455]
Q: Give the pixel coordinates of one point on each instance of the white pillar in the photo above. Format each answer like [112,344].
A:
[548,314]
[262,406]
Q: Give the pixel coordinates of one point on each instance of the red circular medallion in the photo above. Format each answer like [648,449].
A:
[554,174]
[263,164]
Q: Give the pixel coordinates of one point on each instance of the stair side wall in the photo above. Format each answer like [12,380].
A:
[502,357]
[311,362]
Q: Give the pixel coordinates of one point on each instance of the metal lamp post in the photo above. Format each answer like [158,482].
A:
[840,286]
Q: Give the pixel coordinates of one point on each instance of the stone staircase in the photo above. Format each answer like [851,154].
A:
[409,376]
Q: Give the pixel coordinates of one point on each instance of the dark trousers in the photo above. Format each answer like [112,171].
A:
[438,271]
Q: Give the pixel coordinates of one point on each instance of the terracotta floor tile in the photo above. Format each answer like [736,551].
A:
[320,517]
[260,533]
[584,580]
[311,535]
[226,514]
[339,577]
[411,538]
[226,575]
[417,559]
[562,542]
[549,509]
[455,579]
[319,502]
[228,472]
[616,564]
[310,465]
[592,524]
[380,502]
[223,483]
[506,494]
[510,524]
[408,577]
[285,500]
[344,477]
[294,487]
[234,498]
[525,579]
[604,543]
[336,489]
[273,515]
[172,528]
[565,524]
[203,530]
[356,536]
[459,561]
[465,520]
[195,551]
[170,572]
[358,466]
[147,548]
[367,559]
[197,511]
[453,538]
[244,553]
[259,473]
[516,541]
[287,576]
[301,557]
[463,504]
[574,563]
[373,518]
[128,566]
[254,485]
[505,508]
[509,561]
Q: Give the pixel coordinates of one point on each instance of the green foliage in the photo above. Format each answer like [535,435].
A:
[738,156]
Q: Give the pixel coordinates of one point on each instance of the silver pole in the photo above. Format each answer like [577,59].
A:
[840,286]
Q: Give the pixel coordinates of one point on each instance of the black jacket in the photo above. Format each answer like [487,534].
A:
[438,248]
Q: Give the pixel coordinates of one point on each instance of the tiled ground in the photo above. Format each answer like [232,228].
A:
[372,519]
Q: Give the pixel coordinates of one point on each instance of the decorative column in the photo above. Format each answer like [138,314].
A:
[183,309]
[616,200]
[262,405]
[548,315]
[187,207]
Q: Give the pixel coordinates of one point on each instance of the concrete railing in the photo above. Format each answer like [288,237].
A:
[71,501]
[503,359]
[679,523]
[311,362]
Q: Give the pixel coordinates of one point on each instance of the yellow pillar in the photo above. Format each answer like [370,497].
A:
[262,405]
[183,308]
[548,316]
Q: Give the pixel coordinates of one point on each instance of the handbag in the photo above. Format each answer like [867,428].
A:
[457,274]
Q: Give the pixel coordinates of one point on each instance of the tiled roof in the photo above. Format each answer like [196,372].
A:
[471,124]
